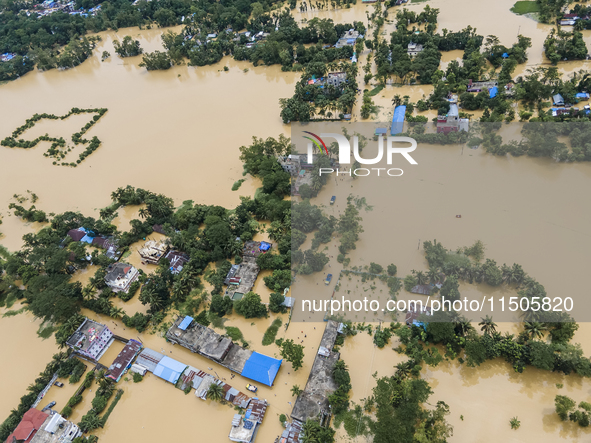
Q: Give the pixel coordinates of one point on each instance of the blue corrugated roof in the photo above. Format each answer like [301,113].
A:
[169,369]
[261,368]
[398,120]
[185,323]
[492,92]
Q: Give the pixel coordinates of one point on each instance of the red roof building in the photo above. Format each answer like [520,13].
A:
[28,427]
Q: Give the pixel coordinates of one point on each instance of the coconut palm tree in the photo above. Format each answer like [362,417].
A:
[421,278]
[295,390]
[116,312]
[215,392]
[144,213]
[487,325]
[90,421]
[433,275]
[534,329]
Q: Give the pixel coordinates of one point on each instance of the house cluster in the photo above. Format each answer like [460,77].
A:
[561,107]
[7,57]
[44,427]
[48,7]
[571,19]
[451,122]
[313,401]
[184,376]
[348,39]
[206,342]
[244,429]
[86,236]
[91,339]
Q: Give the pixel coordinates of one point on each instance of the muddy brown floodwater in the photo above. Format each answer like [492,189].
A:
[175,132]
[178,132]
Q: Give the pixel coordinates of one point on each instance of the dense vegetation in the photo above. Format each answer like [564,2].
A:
[58,150]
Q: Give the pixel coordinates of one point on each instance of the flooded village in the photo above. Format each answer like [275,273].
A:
[177,133]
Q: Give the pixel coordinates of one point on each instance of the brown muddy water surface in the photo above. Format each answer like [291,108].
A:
[178,133]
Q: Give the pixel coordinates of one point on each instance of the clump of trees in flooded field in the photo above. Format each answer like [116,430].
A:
[58,150]
[128,47]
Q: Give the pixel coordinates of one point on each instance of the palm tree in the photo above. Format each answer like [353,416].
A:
[487,325]
[421,278]
[402,369]
[534,329]
[116,312]
[90,421]
[144,213]
[295,390]
[433,275]
[215,392]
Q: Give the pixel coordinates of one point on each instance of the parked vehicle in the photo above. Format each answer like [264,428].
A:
[328,279]
[59,384]
[332,200]
[251,388]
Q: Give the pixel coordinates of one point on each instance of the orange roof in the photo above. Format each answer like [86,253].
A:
[28,427]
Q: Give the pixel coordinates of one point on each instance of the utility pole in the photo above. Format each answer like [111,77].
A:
[419,245]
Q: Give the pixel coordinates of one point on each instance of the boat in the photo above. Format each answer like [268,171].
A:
[333,199]
[59,384]
[251,388]
[328,279]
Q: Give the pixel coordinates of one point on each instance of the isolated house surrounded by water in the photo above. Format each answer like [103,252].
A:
[348,38]
[120,276]
[91,339]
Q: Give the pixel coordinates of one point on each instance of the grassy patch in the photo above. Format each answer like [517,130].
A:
[237,184]
[271,332]
[375,91]
[234,333]
[525,7]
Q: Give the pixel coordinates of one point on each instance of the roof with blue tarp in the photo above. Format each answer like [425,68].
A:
[261,368]
[398,120]
[492,92]
[185,323]
[169,369]
[582,95]
[264,246]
